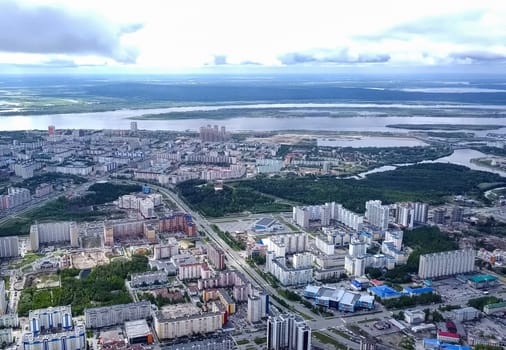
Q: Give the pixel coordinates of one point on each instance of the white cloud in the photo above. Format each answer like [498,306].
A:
[181,34]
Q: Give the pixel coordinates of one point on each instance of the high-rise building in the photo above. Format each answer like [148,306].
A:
[446,263]
[54,232]
[457,214]
[254,309]
[216,256]
[9,246]
[421,212]
[378,215]
[51,129]
[439,216]
[50,319]
[213,133]
[133,126]
[3,300]
[288,331]
[72,339]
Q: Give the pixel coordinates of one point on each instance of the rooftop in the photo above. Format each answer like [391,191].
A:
[266,222]
[482,278]
[384,291]
[136,329]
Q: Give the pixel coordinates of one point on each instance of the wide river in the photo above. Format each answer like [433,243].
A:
[121,119]
[460,157]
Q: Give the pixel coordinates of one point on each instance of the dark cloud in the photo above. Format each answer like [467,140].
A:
[478,56]
[47,29]
[331,56]
[250,63]
[219,60]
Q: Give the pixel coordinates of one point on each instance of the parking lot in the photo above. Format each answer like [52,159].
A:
[456,292]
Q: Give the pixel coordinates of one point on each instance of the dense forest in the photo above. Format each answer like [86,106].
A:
[430,182]
[205,198]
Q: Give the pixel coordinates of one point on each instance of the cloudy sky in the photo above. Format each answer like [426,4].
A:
[250,35]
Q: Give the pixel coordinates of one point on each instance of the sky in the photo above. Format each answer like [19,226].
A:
[184,36]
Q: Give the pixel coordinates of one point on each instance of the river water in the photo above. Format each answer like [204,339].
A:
[121,119]
[459,157]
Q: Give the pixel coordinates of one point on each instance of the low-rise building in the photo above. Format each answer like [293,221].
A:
[148,278]
[414,316]
[495,308]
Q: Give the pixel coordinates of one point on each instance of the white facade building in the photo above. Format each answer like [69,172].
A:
[446,263]
[54,232]
[376,214]
[254,309]
[9,247]
[3,300]
[117,314]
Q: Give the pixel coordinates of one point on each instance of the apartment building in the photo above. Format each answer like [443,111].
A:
[106,316]
[186,319]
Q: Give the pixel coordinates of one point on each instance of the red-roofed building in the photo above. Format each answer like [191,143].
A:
[376,282]
[448,337]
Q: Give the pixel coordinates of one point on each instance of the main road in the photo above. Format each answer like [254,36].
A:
[235,260]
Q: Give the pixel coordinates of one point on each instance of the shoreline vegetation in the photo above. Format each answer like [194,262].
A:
[430,182]
[448,127]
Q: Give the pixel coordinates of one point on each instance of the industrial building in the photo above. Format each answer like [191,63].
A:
[288,331]
[446,263]
[106,316]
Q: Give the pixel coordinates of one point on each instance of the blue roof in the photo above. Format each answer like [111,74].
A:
[445,346]
[384,291]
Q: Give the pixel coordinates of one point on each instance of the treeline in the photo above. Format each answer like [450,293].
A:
[407,301]
[479,303]
[105,285]
[429,182]
[204,198]
[51,178]
[231,241]
[107,192]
